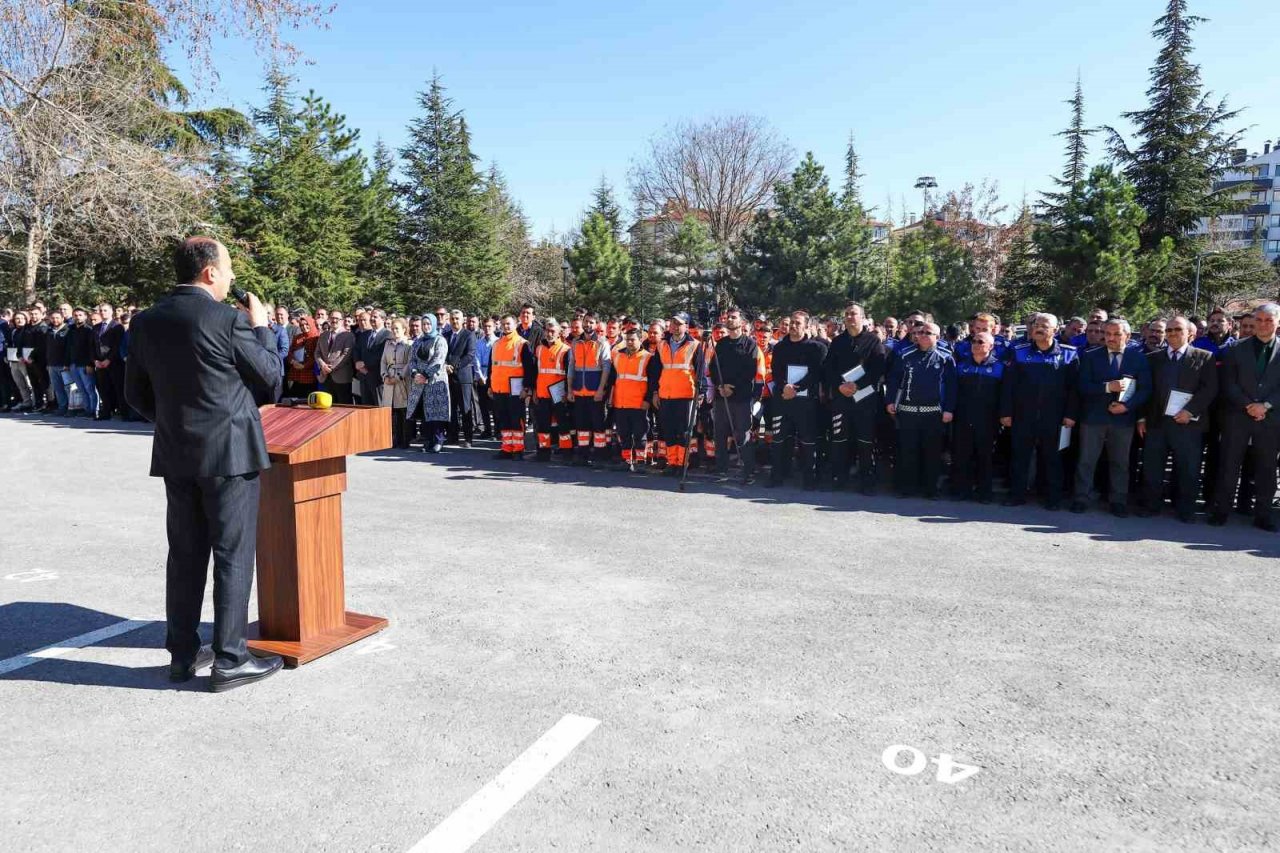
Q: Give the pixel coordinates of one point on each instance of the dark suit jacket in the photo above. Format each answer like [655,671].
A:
[1196,374]
[1096,372]
[199,372]
[462,356]
[1241,384]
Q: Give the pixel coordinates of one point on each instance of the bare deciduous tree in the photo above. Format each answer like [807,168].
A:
[77,89]
[725,166]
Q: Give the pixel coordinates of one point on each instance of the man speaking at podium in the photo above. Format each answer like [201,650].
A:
[198,369]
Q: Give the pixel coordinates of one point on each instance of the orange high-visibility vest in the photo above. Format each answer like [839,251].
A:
[551,367]
[631,379]
[506,361]
[586,364]
[677,381]
[768,372]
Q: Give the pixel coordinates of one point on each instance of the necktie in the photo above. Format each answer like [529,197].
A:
[1115,362]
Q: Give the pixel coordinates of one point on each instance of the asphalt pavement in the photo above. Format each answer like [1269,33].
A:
[745,659]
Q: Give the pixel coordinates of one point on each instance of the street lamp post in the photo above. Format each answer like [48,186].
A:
[1195,299]
[564,279]
[924,183]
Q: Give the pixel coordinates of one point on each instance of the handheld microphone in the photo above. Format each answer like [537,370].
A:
[238,293]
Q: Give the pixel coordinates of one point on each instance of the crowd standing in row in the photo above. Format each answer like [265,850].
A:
[863,405]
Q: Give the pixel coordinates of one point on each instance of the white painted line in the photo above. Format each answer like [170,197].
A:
[486,807]
[66,647]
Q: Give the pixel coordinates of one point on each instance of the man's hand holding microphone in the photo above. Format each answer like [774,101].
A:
[251,305]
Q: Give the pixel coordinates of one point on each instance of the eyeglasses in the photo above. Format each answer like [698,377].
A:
[922,333]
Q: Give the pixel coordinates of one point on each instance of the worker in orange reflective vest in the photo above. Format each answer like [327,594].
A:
[631,380]
[551,413]
[682,381]
[512,373]
[587,362]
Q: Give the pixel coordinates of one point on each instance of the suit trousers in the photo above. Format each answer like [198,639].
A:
[370,385]
[1184,443]
[1244,438]
[1116,439]
[341,391]
[217,515]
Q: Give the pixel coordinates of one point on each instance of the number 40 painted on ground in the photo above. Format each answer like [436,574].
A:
[949,771]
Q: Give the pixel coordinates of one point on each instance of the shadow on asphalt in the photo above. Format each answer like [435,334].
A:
[29,625]
[115,427]
[477,463]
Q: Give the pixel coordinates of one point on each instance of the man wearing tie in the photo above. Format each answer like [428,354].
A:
[198,369]
[1115,383]
[1250,385]
[1184,383]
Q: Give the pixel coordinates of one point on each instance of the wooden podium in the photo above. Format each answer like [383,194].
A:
[302,611]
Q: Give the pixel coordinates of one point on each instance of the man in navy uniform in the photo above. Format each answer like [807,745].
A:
[1183,370]
[1115,383]
[921,397]
[978,377]
[1039,397]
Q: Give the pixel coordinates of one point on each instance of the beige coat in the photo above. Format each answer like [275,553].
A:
[395,365]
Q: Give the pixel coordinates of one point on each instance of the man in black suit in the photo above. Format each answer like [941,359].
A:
[1179,369]
[1250,384]
[460,364]
[198,369]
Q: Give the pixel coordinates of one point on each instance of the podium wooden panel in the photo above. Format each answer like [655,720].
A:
[302,611]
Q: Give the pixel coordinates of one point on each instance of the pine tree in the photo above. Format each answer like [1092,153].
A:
[1181,147]
[449,250]
[1025,281]
[296,206]
[604,203]
[801,253]
[601,267]
[1076,168]
[686,261]
[854,236]
[378,231]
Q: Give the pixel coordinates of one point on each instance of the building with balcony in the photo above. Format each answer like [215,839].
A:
[1253,182]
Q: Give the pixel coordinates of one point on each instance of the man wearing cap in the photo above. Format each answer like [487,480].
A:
[680,383]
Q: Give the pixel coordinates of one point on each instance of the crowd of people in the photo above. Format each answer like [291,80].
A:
[1177,410]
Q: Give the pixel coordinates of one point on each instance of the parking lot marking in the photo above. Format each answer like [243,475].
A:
[487,806]
[66,647]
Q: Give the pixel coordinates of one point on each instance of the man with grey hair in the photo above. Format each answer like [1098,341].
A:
[1250,385]
[1184,382]
[1039,397]
[1115,383]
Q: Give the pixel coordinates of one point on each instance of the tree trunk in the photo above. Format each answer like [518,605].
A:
[35,244]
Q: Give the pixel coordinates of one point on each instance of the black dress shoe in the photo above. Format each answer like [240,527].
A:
[184,671]
[1119,510]
[1079,506]
[1014,502]
[254,669]
[1217,519]
[1266,524]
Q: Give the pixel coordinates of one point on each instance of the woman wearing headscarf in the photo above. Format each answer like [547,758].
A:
[301,361]
[395,379]
[429,384]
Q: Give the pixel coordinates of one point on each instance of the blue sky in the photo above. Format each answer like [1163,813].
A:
[559,93]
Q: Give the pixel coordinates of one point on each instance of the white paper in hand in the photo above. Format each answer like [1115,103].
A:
[863,393]
[1129,387]
[557,392]
[796,373]
[517,385]
[1177,402]
[854,375]
[1064,438]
